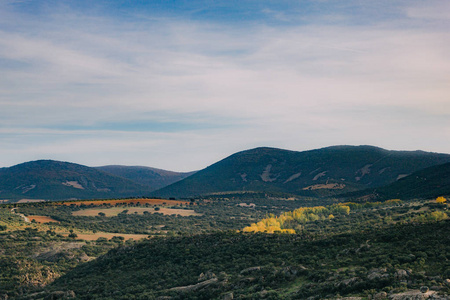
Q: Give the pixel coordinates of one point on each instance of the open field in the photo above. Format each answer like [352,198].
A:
[42,219]
[114,211]
[107,235]
[30,200]
[126,201]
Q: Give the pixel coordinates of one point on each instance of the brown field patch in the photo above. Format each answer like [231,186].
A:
[30,200]
[114,211]
[177,211]
[42,219]
[126,201]
[108,235]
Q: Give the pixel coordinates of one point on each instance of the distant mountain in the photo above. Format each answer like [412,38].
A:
[321,172]
[427,183]
[55,180]
[152,177]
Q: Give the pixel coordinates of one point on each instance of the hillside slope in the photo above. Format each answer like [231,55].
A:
[427,183]
[262,266]
[152,177]
[55,180]
[322,172]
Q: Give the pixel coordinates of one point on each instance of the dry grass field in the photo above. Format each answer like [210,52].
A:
[114,211]
[30,200]
[42,219]
[127,201]
[107,235]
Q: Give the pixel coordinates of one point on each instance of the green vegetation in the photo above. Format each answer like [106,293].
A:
[347,249]
[317,173]
[277,266]
[290,221]
[55,180]
[30,258]
[152,177]
[427,183]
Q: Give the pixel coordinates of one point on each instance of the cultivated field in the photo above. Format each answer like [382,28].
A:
[114,211]
[30,200]
[126,201]
[42,219]
[107,235]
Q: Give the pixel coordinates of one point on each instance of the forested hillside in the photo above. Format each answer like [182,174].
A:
[56,180]
[321,172]
[151,177]
[388,249]
[427,183]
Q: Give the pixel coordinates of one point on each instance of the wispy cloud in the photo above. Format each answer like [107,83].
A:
[171,89]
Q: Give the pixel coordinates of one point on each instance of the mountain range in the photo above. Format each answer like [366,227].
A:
[321,172]
[152,177]
[358,171]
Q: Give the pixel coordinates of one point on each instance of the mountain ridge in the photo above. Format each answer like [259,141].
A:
[58,180]
[152,177]
[319,172]
[426,183]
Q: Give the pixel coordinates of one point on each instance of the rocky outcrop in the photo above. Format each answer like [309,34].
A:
[412,295]
[402,275]
[377,274]
[228,296]
[206,276]
[194,287]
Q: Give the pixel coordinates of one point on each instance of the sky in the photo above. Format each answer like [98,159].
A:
[179,85]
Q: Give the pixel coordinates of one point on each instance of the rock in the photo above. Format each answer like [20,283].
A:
[228,296]
[348,282]
[207,276]
[380,296]
[402,275]
[250,270]
[194,287]
[70,294]
[412,295]
[375,274]
[263,293]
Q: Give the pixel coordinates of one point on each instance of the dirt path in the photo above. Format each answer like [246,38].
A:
[21,215]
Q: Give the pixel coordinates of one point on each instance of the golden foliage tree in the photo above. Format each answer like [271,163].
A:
[441,200]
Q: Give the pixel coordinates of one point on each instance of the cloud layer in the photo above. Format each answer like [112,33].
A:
[181,88]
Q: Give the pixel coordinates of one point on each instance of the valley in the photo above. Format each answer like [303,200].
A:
[242,236]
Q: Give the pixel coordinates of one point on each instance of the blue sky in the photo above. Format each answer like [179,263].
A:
[179,85]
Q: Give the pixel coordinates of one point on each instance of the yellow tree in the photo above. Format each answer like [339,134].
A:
[441,200]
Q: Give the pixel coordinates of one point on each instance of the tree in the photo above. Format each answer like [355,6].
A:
[441,200]
[73,235]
